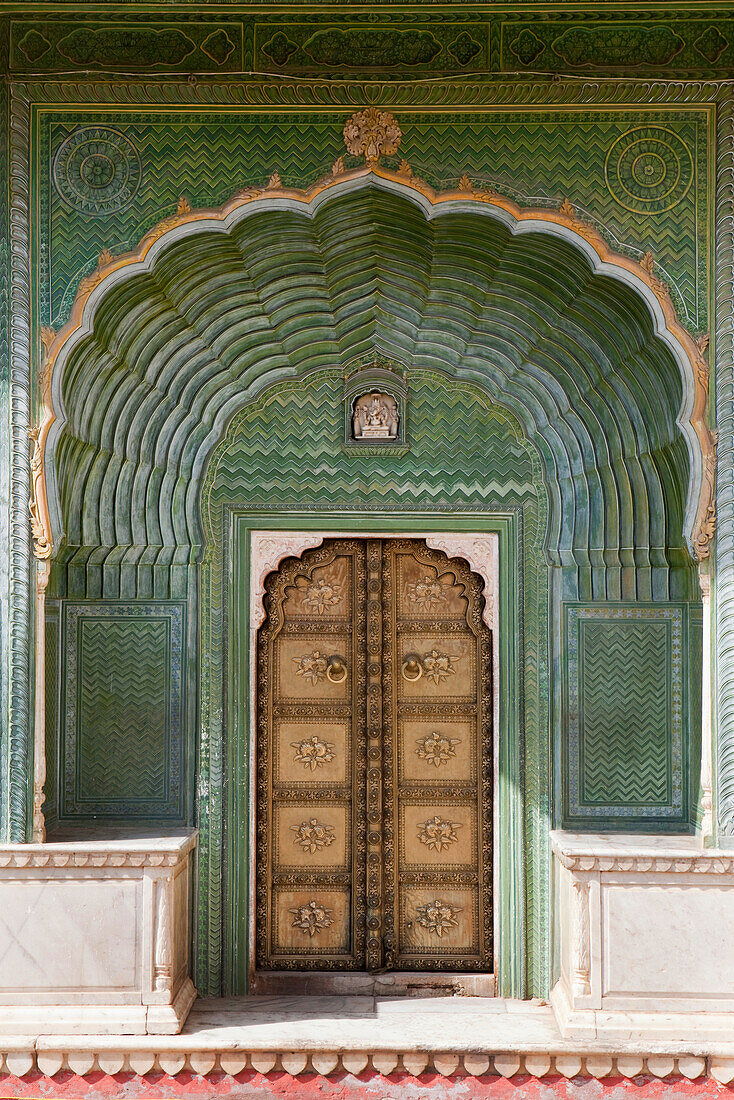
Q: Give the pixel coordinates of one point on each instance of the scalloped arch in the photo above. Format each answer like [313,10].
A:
[164,345]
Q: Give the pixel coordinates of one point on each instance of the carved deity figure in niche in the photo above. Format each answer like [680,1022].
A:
[375,417]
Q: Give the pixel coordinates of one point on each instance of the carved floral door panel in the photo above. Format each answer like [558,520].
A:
[374,762]
[438,762]
[311,766]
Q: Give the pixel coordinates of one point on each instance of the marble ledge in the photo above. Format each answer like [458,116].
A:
[637,852]
[112,850]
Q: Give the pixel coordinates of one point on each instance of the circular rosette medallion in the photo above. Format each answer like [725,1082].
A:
[97,170]
[649,170]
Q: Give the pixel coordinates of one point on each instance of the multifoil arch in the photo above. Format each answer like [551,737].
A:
[165,345]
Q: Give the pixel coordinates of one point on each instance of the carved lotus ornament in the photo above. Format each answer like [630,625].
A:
[438,666]
[312,752]
[321,594]
[427,594]
[312,666]
[311,918]
[436,748]
[313,835]
[437,916]
[372,133]
[438,834]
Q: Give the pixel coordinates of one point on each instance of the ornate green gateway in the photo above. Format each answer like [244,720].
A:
[554,371]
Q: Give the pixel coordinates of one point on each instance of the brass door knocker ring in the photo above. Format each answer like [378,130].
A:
[336,670]
[412,668]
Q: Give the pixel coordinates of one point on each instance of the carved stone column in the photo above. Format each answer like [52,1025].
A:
[39,725]
[581,975]
[724,549]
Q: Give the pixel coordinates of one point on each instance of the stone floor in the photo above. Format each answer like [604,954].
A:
[372,1023]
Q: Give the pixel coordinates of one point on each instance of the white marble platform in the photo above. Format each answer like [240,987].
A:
[94,934]
[643,927]
[325,1035]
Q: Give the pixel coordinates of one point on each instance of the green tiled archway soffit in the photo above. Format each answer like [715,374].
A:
[168,348]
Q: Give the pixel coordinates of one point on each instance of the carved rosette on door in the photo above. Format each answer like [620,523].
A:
[374,814]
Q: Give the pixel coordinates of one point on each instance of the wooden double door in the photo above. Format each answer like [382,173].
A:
[374,771]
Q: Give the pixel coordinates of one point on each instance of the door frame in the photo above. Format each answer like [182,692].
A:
[244,617]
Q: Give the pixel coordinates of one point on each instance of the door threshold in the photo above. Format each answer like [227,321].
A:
[394,983]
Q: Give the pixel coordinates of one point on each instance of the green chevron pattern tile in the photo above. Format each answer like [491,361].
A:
[122,738]
[624,700]
[537,158]
[461,451]
[627,733]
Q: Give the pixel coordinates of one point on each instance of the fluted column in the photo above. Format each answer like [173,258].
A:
[724,388]
[19,749]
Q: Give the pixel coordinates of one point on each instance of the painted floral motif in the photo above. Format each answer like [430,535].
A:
[311,918]
[427,594]
[312,666]
[438,666]
[312,752]
[437,834]
[436,748]
[319,595]
[313,835]
[437,916]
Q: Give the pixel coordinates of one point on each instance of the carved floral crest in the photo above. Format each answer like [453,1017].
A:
[312,666]
[438,666]
[312,752]
[313,835]
[436,748]
[319,595]
[373,133]
[427,594]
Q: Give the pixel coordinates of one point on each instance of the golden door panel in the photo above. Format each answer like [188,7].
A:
[439,804]
[425,594]
[439,750]
[324,592]
[317,834]
[437,835]
[313,667]
[312,752]
[437,667]
[374,762]
[312,922]
[439,925]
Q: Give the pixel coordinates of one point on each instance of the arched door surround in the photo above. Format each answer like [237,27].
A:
[221,317]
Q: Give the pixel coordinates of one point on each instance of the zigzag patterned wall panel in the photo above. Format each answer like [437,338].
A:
[537,157]
[122,738]
[627,730]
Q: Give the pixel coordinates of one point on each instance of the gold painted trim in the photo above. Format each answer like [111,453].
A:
[705,520]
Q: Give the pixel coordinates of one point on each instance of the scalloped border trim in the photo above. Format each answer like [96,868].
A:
[204,1063]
